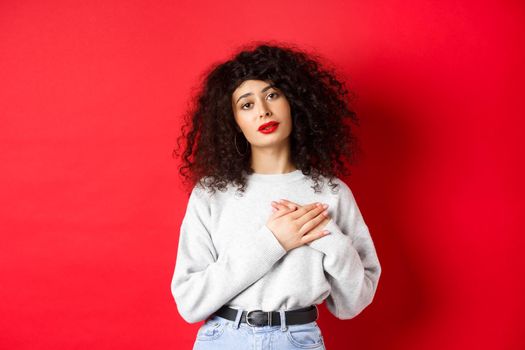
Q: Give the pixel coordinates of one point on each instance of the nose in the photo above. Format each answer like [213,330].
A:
[265,111]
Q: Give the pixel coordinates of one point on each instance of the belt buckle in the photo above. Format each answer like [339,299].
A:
[252,325]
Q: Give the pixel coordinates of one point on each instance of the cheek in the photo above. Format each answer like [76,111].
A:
[284,106]
[247,126]
[240,119]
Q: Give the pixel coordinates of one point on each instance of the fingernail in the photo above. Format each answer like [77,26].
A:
[326,232]
[325,205]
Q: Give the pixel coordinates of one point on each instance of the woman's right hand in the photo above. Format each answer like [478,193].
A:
[291,225]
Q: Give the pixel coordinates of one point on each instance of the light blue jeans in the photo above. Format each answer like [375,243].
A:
[220,333]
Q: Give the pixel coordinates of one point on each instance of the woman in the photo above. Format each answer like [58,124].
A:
[269,124]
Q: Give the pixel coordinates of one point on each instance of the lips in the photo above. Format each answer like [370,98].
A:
[269,124]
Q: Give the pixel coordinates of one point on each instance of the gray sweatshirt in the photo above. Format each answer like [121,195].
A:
[228,256]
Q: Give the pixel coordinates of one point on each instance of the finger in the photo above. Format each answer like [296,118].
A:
[287,202]
[282,211]
[279,206]
[275,207]
[317,211]
[319,220]
[313,236]
[303,210]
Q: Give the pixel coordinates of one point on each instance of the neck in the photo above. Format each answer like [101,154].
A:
[272,160]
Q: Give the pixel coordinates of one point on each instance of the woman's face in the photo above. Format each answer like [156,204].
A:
[256,102]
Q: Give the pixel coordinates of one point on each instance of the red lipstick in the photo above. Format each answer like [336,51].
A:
[269,127]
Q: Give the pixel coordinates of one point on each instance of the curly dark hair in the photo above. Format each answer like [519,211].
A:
[321,139]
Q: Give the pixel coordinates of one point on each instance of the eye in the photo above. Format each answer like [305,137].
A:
[242,106]
[273,93]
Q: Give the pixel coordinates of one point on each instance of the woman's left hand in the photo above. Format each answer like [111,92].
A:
[285,204]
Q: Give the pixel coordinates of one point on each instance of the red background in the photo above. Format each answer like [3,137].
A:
[91,99]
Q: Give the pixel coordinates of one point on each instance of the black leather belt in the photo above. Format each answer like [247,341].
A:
[259,318]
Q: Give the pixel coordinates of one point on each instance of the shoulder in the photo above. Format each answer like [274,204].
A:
[199,195]
[202,191]
[342,194]
[341,188]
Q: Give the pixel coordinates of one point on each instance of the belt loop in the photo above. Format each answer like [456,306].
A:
[283,320]
[237,319]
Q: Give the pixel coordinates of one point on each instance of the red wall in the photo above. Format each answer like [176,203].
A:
[91,98]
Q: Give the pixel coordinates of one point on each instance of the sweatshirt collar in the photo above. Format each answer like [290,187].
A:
[276,178]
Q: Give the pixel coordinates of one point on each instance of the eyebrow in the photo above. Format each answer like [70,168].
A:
[249,93]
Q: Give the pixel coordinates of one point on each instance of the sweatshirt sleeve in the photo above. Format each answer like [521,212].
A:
[203,280]
[350,260]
